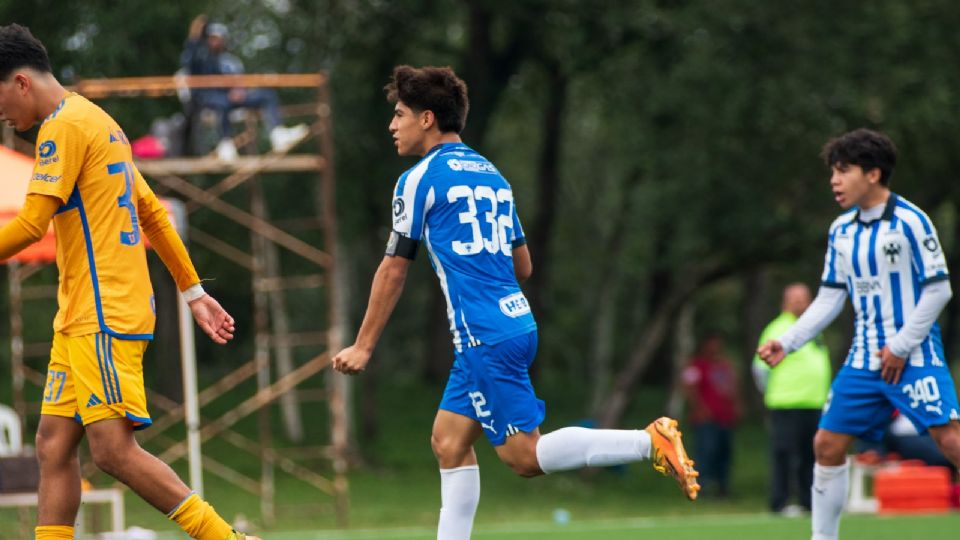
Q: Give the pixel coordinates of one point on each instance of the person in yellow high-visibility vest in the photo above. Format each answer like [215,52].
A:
[794,393]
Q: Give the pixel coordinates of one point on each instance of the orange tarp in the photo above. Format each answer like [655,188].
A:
[15,171]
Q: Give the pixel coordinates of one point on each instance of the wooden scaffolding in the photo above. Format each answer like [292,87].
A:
[277,380]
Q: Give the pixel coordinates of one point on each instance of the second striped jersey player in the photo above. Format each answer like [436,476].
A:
[884,254]
[883,264]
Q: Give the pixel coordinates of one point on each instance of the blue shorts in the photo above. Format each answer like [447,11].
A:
[861,403]
[491,384]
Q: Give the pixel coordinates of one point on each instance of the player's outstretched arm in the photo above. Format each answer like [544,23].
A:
[213,319]
[822,311]
[771,352]
[163,237]
[29,226]
[384,294]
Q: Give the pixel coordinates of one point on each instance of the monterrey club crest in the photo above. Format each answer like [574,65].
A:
[892,252]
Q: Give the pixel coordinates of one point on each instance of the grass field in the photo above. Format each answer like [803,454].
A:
[395,495]
[713,527]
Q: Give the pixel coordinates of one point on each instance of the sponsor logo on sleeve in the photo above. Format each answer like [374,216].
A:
[515,305]
[399,212]
[43,177]
[47,153]
[466,165]
[47,149]
[931,244]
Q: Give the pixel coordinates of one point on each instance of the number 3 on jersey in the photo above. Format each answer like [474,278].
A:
[500,224]
[127,238]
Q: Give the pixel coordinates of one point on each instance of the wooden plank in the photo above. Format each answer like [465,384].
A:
[258,226]
[260,399]
[217,245]
[170,84]
[274,284]
[175,411]
[267,163]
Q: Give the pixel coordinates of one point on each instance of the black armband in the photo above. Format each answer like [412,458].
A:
[519,242]
[399,245]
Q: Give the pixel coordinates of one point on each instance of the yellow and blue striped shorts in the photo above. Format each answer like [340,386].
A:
[96,377]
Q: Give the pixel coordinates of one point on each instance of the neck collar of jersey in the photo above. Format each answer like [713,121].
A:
[60,106]
[887,211]
[445,146]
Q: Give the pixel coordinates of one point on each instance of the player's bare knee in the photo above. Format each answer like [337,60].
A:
[525,466]
[521,458]
[448,450]
[109,456]
[527,470]
[828,449]
[947,437]
[105,459]
[51,451]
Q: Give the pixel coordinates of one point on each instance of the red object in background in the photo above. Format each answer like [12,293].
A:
[910,488]
[714,381]
[148,147]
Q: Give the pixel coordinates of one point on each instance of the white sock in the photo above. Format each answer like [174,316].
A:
[459,496]
[829,491]
[576,447]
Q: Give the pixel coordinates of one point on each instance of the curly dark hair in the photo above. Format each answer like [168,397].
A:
[863,147]
[19,49]
[431,88]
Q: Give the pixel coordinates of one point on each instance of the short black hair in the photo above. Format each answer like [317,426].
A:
[19,49]
[431,88]
[863,147]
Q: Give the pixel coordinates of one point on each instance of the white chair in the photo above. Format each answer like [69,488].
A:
[11,441]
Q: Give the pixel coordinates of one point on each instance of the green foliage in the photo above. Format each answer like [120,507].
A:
[688,149]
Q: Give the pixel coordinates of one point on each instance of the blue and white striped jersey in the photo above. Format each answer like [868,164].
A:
[458,204]
[883,265]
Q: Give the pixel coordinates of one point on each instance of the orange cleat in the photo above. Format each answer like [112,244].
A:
[669,457]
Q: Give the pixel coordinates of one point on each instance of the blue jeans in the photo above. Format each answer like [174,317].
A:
[713,451]
[263,99]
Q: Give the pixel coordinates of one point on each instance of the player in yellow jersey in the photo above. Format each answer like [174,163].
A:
[84,181]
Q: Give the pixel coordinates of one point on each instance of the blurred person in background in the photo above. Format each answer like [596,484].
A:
[794,393]
[883,251]
[206,53]
[710,385]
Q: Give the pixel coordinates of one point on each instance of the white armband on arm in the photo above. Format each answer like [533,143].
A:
[194,292]
[917,326]
[824,309]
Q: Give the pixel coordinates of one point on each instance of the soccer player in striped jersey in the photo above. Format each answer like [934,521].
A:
[882,252]
[84,180]
[457,203]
